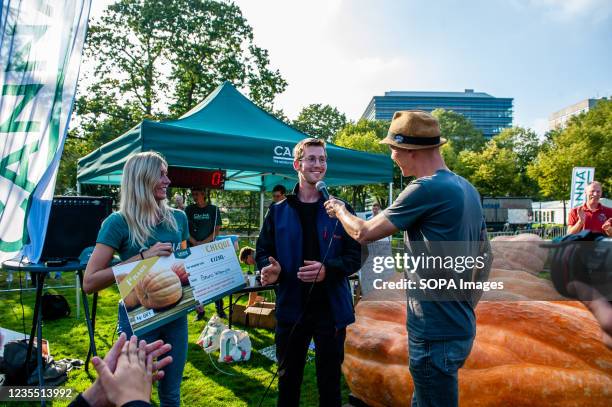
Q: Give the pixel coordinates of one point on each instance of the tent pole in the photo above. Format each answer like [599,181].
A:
[78,188]
[261,207]
[390,193]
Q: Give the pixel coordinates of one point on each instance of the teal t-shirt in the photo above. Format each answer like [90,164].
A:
[114,233]
[440,215]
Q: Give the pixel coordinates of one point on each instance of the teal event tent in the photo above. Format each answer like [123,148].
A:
[227,131]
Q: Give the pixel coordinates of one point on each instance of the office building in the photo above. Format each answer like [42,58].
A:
[488,114]
[558,120]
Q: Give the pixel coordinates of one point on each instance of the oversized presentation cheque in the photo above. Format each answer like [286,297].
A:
[158,290]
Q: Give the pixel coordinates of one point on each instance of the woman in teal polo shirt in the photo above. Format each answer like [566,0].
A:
[145,226]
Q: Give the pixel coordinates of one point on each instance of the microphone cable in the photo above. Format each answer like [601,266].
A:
[301,315]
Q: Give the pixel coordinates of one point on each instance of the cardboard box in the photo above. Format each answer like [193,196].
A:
[261,315]
[238,315]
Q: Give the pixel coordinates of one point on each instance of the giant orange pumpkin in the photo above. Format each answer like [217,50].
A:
[159,288]
[519,252]
[526,353]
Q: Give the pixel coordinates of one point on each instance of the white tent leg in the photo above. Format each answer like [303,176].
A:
[390,193]
[261,208]
[78,188]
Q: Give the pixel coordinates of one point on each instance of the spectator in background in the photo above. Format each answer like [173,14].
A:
[247,256]
[204,221]
[279,193]
[179,201]
[591,215]
[375,210]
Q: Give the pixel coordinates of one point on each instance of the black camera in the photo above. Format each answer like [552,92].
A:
[585,257]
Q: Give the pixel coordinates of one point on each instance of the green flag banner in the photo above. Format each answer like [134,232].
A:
[40,52]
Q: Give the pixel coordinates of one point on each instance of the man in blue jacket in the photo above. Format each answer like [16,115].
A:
[310,256]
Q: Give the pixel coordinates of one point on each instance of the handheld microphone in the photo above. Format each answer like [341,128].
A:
[322,188]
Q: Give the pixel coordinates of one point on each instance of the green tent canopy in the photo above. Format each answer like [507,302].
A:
[227,131]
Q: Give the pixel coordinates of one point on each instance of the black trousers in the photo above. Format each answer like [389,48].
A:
[291,354]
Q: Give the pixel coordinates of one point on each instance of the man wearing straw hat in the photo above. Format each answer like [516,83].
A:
[438,212]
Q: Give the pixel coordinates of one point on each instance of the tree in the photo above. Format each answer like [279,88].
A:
[526,145]
[365,135]
[320,121]
[128,45]
[585,142]
[524,142]
[459,130]
[493,171]
[450,156]
[212,42]
[157,59]
[200,43]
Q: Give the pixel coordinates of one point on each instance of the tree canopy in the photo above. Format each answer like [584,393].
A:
[157,59]
[365,135]
[585,142]
[459,130]
[320,121]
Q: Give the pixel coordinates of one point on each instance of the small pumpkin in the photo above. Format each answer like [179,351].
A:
[131,300]
[179,270]
[160,288]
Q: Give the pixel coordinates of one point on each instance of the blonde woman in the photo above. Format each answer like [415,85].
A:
[145,226]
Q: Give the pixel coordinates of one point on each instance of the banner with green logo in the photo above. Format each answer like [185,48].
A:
[40,54]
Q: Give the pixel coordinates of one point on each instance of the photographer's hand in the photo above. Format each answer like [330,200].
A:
[599,307]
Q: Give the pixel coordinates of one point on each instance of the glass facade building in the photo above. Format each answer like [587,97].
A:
[488,114]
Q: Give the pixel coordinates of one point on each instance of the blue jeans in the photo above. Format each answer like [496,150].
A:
[434,366]
[174,333]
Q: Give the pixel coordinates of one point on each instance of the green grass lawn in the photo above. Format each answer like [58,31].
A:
[203,384]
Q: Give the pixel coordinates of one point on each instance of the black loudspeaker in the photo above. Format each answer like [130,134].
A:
[74,223]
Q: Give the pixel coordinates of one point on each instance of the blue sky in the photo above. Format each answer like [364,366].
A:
[546,54]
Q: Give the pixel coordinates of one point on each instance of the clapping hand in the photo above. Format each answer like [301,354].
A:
[607,227]
[133,375]
[96,395]
[581,215]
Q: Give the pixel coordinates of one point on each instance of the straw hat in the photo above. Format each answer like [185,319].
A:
[414,130]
